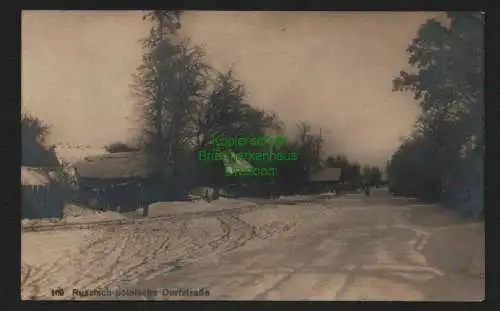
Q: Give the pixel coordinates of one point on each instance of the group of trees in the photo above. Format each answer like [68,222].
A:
[443,158]
[183,102]
[353,172]
[308,147]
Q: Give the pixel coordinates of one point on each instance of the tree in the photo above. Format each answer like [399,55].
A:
[351,174]
[336,161]
[33,136]
[167,85]
[148,86]
[164,23]
[449,82]
[310,147]
[371,175]
[181,107]
[227,113]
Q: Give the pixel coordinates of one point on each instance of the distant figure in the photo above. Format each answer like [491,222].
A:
[367,189]
[337,191]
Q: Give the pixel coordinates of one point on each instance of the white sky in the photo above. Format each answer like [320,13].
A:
[333,70]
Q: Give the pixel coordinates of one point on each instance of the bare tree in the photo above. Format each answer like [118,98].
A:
[310,146]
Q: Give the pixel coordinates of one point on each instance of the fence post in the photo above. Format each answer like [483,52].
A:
[43,200]
[46,207]
[35,202]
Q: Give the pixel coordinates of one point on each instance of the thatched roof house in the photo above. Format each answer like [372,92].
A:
[115,180]
[115,166]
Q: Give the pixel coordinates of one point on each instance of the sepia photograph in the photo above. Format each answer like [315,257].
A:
[252,155]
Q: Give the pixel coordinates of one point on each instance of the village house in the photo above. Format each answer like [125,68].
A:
[115,181]
[326,179]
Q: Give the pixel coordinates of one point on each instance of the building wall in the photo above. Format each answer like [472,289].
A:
[109,194]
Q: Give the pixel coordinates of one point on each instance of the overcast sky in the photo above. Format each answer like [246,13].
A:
[332,70]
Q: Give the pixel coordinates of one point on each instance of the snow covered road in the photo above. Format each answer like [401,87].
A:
[349,248]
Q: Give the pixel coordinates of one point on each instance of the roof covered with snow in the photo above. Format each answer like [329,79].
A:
[33,176]
[72,153]
[122,165]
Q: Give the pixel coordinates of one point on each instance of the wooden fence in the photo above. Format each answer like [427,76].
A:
[41,202]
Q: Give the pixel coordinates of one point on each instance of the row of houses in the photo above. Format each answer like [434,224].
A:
[118,181]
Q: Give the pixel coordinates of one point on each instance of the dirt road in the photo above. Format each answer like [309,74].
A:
[350,248]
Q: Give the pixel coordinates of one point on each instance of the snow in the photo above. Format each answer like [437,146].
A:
[69,154]
[73,153]
[74,214]
[198,233]
[120,255]
[33,177]
[177,208]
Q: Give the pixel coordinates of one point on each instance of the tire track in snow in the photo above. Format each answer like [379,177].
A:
[122,254]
